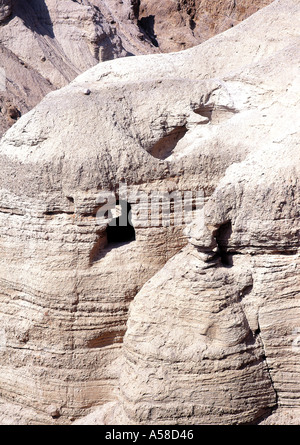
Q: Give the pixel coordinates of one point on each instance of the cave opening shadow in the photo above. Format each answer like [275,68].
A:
[120,229]
[35,15]
[146,25]
[222,237]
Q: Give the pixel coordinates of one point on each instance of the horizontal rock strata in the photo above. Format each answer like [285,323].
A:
[212,338]
[205,331]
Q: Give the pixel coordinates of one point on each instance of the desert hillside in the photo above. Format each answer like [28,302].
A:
[188,312]
[44,44]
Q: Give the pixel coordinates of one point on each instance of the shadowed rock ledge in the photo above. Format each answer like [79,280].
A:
[212,326]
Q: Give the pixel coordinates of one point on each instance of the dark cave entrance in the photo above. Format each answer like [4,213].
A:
[120,229]
[147,24]
[222,237]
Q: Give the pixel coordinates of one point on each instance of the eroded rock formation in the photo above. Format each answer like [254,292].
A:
[180,24]
[231,313]
[212,337]
[207,299]
[46,44]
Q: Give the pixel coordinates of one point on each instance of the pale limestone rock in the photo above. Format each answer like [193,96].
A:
[213,337]
[59,39]
[209,366]
[47,43]
[186,322]
[21,88]
[71,290]
[163,122]
[284,416]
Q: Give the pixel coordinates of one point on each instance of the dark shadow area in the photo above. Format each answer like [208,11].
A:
[120,230]
[222,237]
[215,115]
[117,234]
[146,25]
[164,147]
[13,112]
[136,8]
[246,291]
[192,24]
[98,249]
[35,15]
[106,339]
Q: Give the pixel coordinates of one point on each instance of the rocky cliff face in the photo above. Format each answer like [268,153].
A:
[230,304]
[213,317]
[46,44]
[176,25]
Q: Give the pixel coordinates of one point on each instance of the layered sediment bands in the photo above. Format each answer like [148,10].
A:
[210,367]
[174,26]
[60,39]
[271,234]
[71,316]
[217,120]
[66,287]
[213,337]
[211,307]
[21,88]
[46,44]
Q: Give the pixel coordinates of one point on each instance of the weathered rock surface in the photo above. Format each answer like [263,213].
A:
[46,44]
[213,337]
[231,321]
[176,25]
[201,325]
[21,88]
[63,346]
